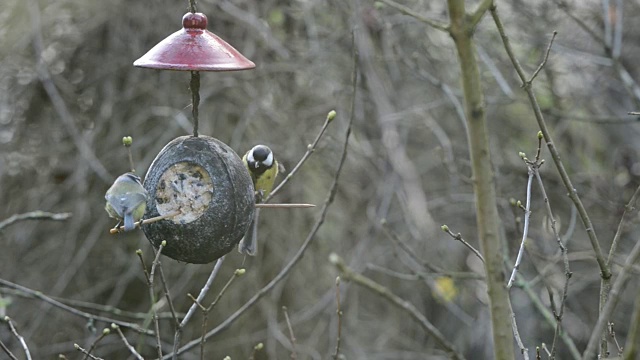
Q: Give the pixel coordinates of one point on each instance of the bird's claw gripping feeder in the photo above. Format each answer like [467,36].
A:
[198,177]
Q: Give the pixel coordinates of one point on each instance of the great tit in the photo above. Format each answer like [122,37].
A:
[263,168]
[126,200]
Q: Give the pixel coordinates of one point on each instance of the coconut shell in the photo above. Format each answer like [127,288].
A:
[208,183]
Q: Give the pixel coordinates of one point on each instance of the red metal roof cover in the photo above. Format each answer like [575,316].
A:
[194,48]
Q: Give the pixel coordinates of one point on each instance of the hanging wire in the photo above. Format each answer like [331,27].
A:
[195,99]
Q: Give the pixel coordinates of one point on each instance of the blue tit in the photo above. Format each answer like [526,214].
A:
[126,200]
[263,168]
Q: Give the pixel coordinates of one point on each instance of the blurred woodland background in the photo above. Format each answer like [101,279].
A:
[407,164]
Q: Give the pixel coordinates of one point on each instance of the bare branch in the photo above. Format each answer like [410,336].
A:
[525,231]
[152,296]
[40,296]
[616,290]
[131,349]
[544,61]
[284,206]
[87,353]
[565,260]
[14,331]
[631,350]
[573,194]
[7,351]
[192,309]
[400,303]
[407,11]
[547,315]
[476,16]
[630,207]
[120,228]
[34,215]
[458,237]
[336,353]
[294,354]
[310,150]
[516,334]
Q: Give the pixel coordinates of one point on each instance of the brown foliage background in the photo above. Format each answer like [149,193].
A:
[408,145]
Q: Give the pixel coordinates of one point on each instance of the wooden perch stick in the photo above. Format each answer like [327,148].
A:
[284,206]
[117,229]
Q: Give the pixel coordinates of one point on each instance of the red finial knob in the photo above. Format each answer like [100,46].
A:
[194,21]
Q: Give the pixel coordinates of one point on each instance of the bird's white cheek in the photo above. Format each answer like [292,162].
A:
[269,161]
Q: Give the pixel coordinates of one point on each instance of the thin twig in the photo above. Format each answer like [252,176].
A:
[192,309]
[296,258]
[40,296]
[544,61]
[172,309]
[476,16]
[407,249]
[516,334]
[458,237]
[434,270]
[204,323]
[610,120]
[14,331]
[7,351]
[237,273]
[152,296]
[92,306]
[127,141]
[34,215]
[606,18]
[547,315]
[402,304]
[144,266]
[617,34]
[294,354]
[630,207]
[120,228]
[631,350]
[104,333]
[527,216]
[407,11]
[612,302]
[258,347]
[612,334]
[87,353]
[339,313]
[284,206]
[565,259]
[311,148]
[457,275]
[132,350]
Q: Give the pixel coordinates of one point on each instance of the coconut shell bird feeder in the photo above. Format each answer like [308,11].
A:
[198,182]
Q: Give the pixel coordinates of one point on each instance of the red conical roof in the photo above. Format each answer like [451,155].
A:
[194,48]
